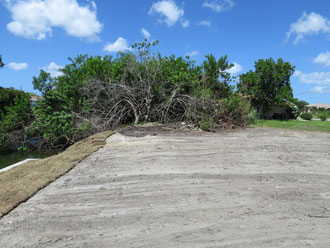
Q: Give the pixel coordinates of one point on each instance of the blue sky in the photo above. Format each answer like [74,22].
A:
[37,34]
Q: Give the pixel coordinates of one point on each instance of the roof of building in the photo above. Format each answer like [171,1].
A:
[36,98]
[319,105]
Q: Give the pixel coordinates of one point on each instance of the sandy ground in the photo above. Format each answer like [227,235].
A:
[247,188]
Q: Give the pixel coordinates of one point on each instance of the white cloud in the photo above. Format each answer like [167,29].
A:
[308,24]
[120,45]
[320,78]
[145,33]
[319,89]
[18,66]
[297,74]
[167,9]
[204,23]
[192,54]
[185,23]
[235,69]
[323,59]
[219,5]
[35,19]
[53,69]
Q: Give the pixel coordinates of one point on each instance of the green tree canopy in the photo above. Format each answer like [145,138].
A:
[1,63]
[7,97]
[216,75]
[269,84]
[300,104]
[95,93]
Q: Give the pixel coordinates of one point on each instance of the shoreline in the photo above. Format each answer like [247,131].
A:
[17,164]
[22,180]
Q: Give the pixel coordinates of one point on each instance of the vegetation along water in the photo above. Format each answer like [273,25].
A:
[9,158]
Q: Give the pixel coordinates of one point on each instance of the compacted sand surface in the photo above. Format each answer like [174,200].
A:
[147,188]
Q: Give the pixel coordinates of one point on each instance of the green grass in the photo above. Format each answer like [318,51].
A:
[314,125]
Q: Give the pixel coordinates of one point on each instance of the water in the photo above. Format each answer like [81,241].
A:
[10,158]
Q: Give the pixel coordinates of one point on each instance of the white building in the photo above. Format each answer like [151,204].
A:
[35,99]
[308,108]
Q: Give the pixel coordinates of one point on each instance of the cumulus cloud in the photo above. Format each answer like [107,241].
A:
[192,54]
[185,23]
[35,19]
[323,59]
[319,89]
[53,69]
[120,45]
[18,66]
[145,33]
[219,5]
[204,23]
[235,69]
[167,9]
[319,78]
[308,24]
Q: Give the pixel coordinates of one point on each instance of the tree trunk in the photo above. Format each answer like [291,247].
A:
[137,118]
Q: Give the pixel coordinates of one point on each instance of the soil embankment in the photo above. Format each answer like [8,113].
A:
[149,188]
[21,182]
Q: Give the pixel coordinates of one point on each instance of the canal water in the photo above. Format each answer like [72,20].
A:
[10,158]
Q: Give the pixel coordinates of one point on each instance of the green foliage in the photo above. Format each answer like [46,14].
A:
[235,105]
[323,115]
[55,127]
[95,93]
[1,63]
[224,113]
[177,72]
[17,115]
[314,110]
[216,77]
[22,149]
[294,112]
[77,74]
[300,104]
[206,123]
[55,121]
[2,141]
[269,84]
[15,119]
[7,97]
[253,116]
[306,116]
[44,82]
[144,49]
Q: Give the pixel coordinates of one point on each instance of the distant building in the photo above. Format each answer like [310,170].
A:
[274,112]
[35,99]
[308,108]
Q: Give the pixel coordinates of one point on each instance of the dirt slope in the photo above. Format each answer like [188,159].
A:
[248,188]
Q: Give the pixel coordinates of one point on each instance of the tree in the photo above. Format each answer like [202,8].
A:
[300,104]
[7,98]
[95,93]
[14,122]
[1,63]
[18,114]
[44,82]
[55,120]
[75,75]
[269,84]
[216,75]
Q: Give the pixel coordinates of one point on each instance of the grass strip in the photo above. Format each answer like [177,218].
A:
[20,183]
[314,125]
